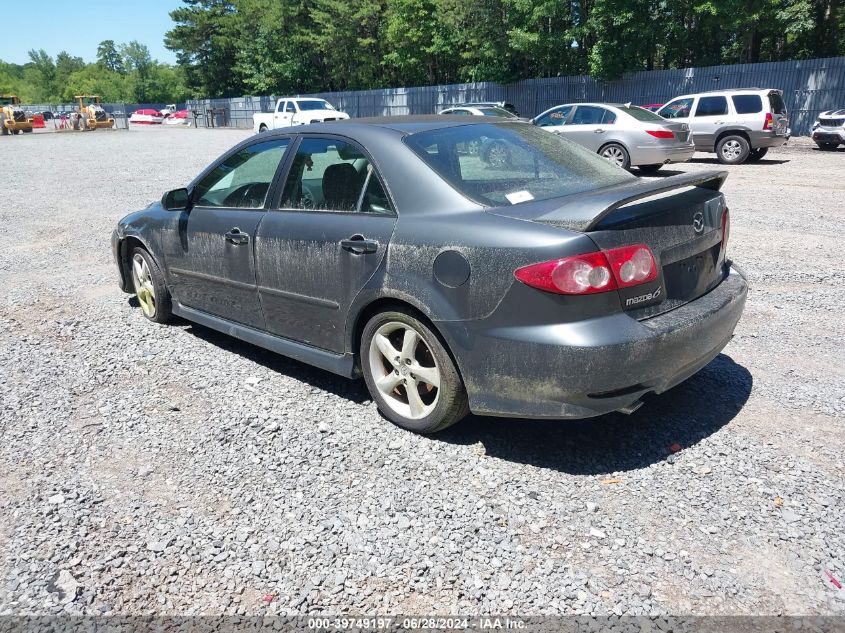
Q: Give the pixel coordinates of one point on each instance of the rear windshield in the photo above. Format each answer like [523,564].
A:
[640,114]
[499,164]
[776,103]
[747,104]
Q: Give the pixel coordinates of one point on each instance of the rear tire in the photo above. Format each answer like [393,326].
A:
[400,353]
[617,155]
[650,169]
[757,154]
[732,149]
[827,147]
[150,287]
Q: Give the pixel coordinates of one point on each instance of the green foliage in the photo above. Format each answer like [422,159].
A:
[125,73]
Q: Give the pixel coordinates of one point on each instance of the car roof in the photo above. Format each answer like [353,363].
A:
[404,124]
[727,91]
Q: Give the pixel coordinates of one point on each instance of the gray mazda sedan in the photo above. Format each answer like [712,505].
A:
[555,286]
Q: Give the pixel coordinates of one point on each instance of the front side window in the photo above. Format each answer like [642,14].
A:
[243,179]
[513,163]
[290,107]
[711,106]
[677,109]
[554,118]
[333,175]
[747,104]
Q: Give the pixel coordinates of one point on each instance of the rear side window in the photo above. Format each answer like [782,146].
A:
[747,104]
[776,103]
[711,106]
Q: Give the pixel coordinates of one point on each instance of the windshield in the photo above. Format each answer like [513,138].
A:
[499,164]
[640,114]
[315,104]
[496,112]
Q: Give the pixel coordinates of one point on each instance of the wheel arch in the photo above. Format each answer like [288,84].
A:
[383,304]
[732,132]
[124,247]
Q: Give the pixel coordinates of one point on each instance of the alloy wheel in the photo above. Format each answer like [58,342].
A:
[731,150]
[144,289]
[497,155]
[614,155]
[404,370]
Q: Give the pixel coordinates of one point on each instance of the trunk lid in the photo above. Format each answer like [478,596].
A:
[680,130]
[679,218]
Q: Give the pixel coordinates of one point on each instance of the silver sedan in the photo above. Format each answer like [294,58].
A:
[625,135]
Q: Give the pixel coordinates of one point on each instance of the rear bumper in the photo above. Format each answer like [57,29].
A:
[591,367]
[657,155]
[761,139]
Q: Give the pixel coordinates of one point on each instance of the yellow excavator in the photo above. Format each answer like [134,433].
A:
[13,120]
[91,115]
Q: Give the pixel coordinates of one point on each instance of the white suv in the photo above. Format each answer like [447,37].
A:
[829,130]
[738,125]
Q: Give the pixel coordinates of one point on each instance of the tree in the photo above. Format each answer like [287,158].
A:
[108,56]
[205,46]
[139,63]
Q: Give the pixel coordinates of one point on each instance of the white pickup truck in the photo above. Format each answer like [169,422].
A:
[295,111]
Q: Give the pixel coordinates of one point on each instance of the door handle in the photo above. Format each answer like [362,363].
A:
[236,237]
[359,245]
[598,131]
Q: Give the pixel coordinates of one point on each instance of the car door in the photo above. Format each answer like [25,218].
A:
[211,264]
[708,118]
[679,110]
[554,120]
[586,126]
[323,242]
[284,114]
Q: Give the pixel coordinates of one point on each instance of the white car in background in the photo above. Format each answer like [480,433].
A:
[296,111]
[146,116]
[829,129]
[480,110]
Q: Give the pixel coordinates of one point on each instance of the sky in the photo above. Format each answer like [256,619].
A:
[77,27]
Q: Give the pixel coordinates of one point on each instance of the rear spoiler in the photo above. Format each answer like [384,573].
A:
[584,211]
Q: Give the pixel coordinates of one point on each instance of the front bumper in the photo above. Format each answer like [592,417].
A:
[592,367]
[822,135]
[657,155]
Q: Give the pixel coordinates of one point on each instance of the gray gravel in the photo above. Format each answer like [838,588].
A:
[148,469]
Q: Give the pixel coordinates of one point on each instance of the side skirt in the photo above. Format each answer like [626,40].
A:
[341,364]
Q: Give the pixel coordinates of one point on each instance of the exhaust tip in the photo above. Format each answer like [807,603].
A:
[629,409]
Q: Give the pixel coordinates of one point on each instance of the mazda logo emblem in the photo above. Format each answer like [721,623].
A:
[698,222]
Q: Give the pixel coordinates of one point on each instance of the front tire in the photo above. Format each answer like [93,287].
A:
[150,287]
[615,154]
[409,373]
[732,150]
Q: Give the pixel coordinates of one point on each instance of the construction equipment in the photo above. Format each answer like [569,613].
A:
[13,120]
[91,115]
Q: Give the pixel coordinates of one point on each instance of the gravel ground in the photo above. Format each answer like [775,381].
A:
[172,470]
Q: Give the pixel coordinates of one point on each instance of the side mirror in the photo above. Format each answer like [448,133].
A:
[176,200]
[531,121]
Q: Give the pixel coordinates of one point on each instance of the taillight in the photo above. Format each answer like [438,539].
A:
[592,272]
[632,265]
[770,120]
[726,233]
[661,133]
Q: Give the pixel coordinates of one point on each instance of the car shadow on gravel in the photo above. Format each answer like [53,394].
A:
[353,390]
[681,417]
[762,162]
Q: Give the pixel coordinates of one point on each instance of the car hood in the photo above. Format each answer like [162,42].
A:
[322,115]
